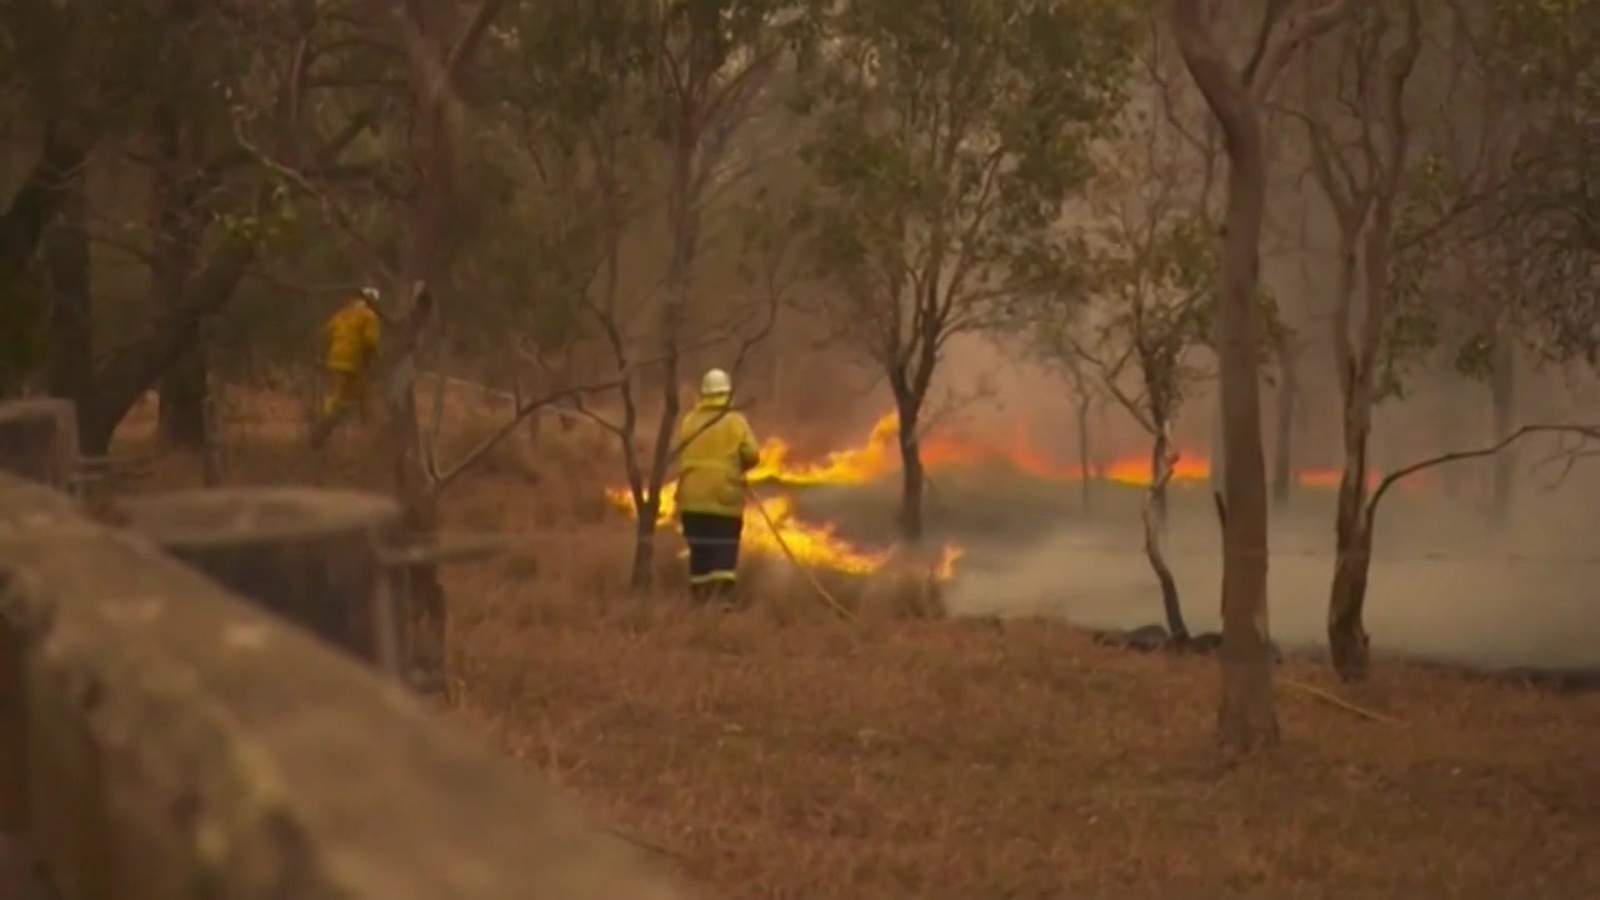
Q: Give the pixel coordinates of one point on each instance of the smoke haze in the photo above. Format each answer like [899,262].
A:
[1445,584]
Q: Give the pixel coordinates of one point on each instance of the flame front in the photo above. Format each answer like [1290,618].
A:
[856,465]
[820,546]
[813,545]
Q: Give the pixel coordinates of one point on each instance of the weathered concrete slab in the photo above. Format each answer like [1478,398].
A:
[160,738]
[39,439]
[309,555]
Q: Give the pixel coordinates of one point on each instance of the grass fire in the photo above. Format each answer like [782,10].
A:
[820,544]
[865,449]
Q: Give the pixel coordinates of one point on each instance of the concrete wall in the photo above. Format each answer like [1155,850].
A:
[161,739]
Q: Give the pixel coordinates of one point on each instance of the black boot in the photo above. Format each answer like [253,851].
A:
[724,595]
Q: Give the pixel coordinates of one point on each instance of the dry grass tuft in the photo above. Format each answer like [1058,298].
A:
[904,589]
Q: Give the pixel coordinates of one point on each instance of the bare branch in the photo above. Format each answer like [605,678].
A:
[335,211]
[1269,23]
[468,43]
[528,408]
[1305,28]
[1588,432]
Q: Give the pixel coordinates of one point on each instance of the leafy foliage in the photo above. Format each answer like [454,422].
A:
[948,142]
[1550,216]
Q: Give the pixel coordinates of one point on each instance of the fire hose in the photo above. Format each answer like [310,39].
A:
[777,534]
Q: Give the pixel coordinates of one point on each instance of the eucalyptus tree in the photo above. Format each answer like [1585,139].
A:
[950,138]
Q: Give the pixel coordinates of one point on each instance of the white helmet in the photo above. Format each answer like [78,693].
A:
[370,293]
[715,382]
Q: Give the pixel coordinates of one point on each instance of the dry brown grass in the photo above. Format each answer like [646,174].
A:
[979,760]
[776,753]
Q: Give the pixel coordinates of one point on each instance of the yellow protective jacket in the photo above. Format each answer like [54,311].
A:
[718,449]
[352,336]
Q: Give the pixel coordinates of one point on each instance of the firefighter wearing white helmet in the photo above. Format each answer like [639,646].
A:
[719,448]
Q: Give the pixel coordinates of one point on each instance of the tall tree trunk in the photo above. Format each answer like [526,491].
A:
[211,437]
[1085,462]
[1155,529]
[1162,461]
[131,368]
[419,512]
[185,387]
[429,621]
[1246,718]
[38,201]
[913,477]
[1288,396]
[642,572]
[1347,636]
[682,214]
[425,265]
[44,56]
[178,226]
[182,410]
[1503,396]
[1366,219]
[66,256]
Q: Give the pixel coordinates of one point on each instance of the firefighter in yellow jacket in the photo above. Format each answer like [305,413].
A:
[718,448]
[351,340]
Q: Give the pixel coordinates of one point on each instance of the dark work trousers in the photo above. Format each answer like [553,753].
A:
[713,552]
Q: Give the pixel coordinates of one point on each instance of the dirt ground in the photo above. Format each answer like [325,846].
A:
[775,753]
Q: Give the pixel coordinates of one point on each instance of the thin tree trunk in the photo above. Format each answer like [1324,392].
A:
[48,185]
[642,572]
[1155,527]
[684,221]
[28,325]
[1503,396]
[66,257]
[181,413]
[1366,218]
[425,262]
[1347,636]
[1162,460]
[211,443]
[913,477]
[1288,396]
[428,620]
[1085,463]
[911,493]
[180,418]
[1246,718]
[129,369]
[429,245]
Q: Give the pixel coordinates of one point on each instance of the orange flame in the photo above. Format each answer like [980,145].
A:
[815,545]
[819,545]
[856,465]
